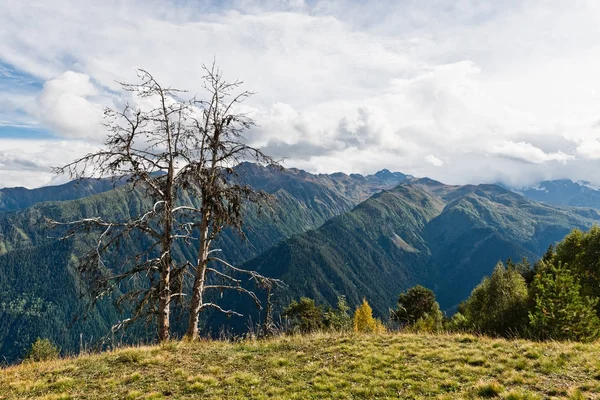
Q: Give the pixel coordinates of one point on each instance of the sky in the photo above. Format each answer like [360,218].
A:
[462,91]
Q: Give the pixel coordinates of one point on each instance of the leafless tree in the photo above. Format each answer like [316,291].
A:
[181,154]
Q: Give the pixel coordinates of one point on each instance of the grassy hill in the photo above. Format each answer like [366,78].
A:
[320,366]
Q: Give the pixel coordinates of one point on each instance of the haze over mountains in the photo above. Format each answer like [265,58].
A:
[324,235]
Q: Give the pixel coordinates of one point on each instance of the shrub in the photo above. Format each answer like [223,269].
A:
[42,350]
[458,323]
[429,323]
[581,252]
[364,321]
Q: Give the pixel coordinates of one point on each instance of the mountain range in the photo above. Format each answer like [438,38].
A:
[324,235]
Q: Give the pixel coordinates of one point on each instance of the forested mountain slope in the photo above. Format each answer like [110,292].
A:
[18,198]
[422,232]
[38,283]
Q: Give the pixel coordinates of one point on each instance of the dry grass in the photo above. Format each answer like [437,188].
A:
[320,366]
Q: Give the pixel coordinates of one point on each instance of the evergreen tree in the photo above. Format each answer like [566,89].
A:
[560,311]
[338,318]
[581,251]
[42,350]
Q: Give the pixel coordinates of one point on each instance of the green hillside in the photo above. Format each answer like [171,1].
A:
[19,198]
[39,288]
[422,232]
[371,252]
[387,366]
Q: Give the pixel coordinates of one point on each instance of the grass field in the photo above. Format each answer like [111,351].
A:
[320,366]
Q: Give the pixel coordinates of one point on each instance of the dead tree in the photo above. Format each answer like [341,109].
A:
[181,154]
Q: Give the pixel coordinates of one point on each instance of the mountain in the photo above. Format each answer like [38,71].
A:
[39,287]
[564,192]
[421,232]
[19,198]
[324,235]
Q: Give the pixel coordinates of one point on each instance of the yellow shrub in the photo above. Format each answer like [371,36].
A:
[364,321]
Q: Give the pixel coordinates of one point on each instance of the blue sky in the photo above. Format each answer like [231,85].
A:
[462,91]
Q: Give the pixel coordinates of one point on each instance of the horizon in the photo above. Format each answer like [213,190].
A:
[470,92]
[516,189]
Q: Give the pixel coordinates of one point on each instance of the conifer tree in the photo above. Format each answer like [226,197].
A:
[560,311]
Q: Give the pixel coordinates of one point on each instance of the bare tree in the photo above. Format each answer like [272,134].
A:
[181,154]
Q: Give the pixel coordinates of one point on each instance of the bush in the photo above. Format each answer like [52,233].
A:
[364,321]
[560,311]
[458,323]
[42,350]
[429,324]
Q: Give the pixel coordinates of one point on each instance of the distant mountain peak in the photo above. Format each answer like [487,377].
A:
[385,175]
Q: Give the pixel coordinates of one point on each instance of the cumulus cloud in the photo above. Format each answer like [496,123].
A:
[589,149]
[489,91]
[64,106]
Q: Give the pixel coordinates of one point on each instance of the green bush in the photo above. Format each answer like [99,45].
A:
[458,323]
[581,252]
[42,350]
[305,316]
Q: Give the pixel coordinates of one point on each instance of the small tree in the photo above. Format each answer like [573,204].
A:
[498,305]
[338,318]
[418,303]
[581,251]
[560,311]
[42,350]
[180,154]
[305,315]
[364,321]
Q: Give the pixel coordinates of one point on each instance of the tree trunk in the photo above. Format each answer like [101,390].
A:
[164,304]
[199,280]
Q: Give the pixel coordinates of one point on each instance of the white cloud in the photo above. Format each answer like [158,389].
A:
[64,106]
[589,149]
[527,153]
[493,91]
[29,163]
[433,160]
